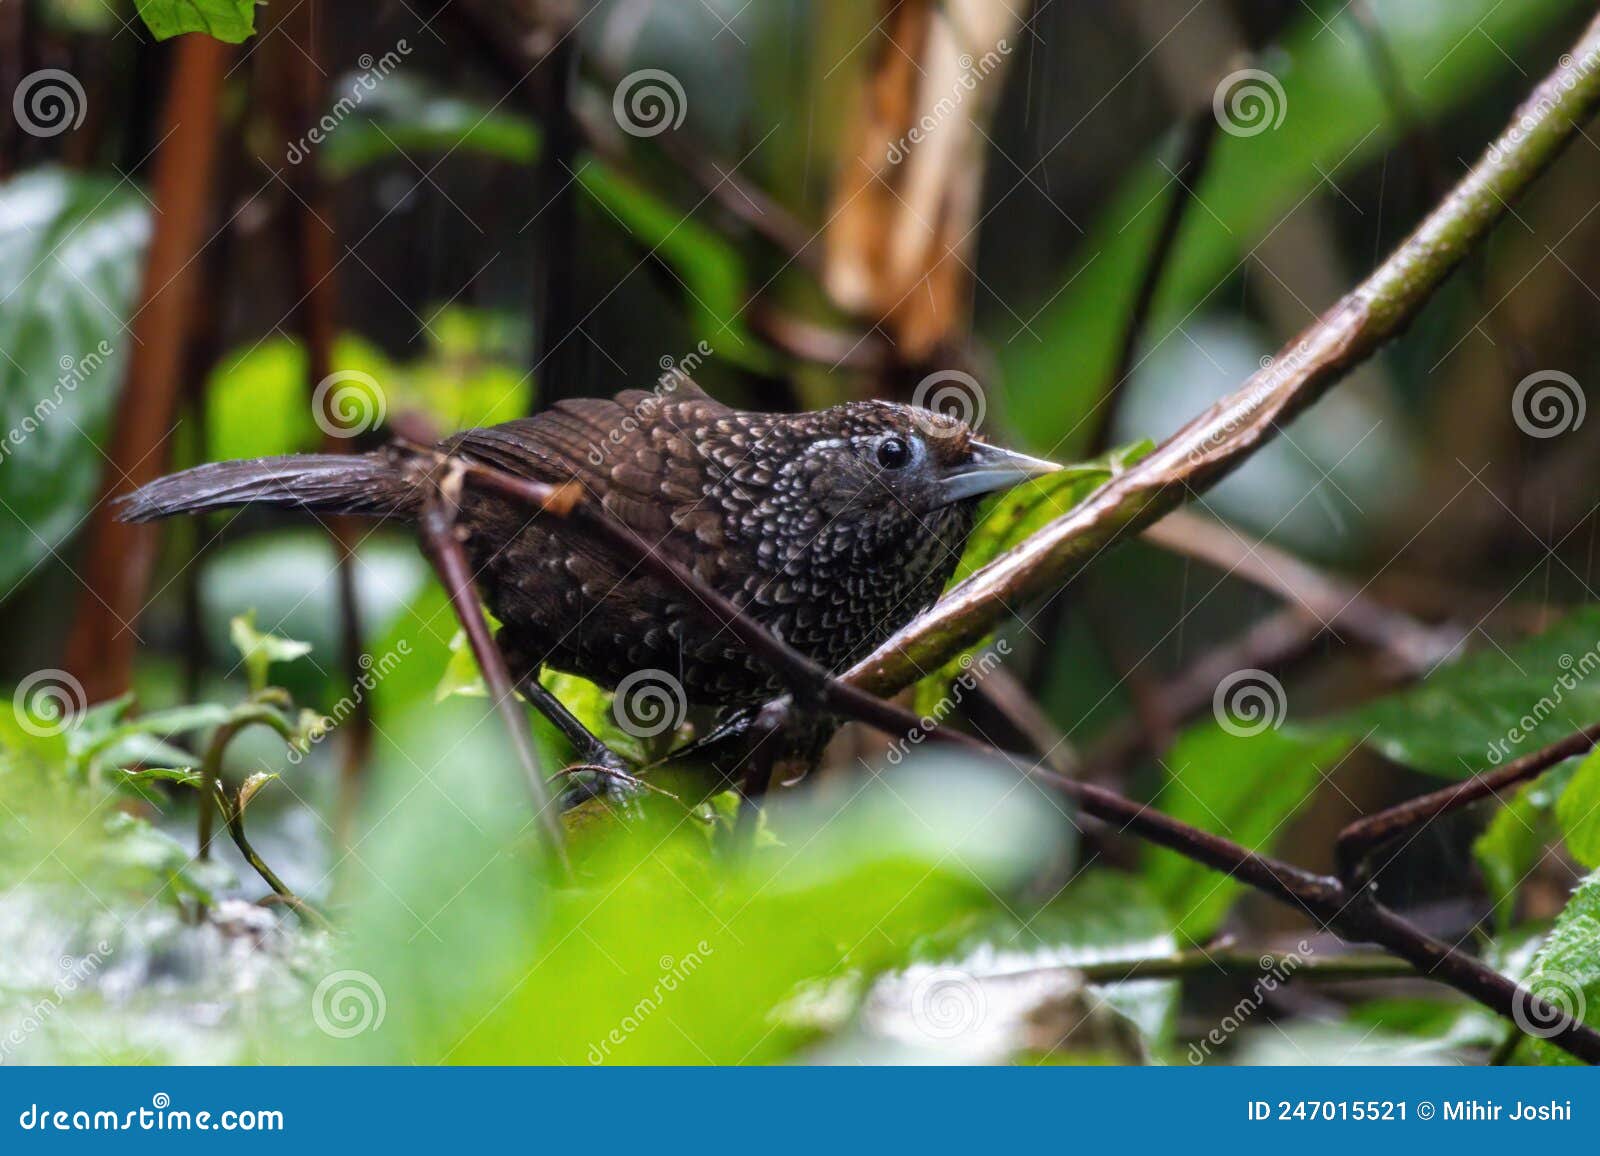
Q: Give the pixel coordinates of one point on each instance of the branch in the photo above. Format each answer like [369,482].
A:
[1199,135]
[1337,605]
[437,527]
[1224,436]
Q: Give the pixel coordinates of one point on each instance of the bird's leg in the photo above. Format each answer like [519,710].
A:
[600,771]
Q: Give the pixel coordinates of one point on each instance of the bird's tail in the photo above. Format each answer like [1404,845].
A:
[362,484]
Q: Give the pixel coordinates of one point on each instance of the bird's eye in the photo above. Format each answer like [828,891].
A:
[893,453]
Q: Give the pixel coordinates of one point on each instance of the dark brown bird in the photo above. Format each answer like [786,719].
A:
[832,529]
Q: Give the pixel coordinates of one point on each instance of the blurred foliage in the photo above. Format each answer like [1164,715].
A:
[70,250]
[848,921]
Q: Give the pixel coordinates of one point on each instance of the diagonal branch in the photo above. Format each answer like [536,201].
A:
[1224,436]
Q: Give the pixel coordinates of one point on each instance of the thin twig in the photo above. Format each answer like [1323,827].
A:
[1361,839]
[1338,605]
[437,526]
[1334,969]
[1199,134]
[233,812]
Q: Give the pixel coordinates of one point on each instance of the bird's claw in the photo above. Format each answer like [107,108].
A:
[602,776]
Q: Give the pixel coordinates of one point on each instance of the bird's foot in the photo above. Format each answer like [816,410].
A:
[603,775]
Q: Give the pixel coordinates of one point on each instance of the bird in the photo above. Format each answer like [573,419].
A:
[831,528]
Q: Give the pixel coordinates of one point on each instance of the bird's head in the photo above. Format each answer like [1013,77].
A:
[897,460]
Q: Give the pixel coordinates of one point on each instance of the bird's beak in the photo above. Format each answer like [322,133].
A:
[991,468]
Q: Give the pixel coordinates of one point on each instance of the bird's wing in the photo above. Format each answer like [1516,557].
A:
[638,453]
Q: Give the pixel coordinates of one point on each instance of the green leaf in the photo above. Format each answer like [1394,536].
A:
[1029,507]
[395,114]
[232,21]
[260,650]
[1336,121]
[1566,972]
[1579,812]
[70,250]
[1243,787]
[251,787]
[1492,706]
[1517,838]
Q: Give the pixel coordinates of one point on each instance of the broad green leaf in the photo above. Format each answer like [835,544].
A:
[1517,837]
[232,21]
[1566,973]
[260,650]
[1579,812]
[1244,788]
[1491,707]
[1336,120]
[396,113]
[70,259]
